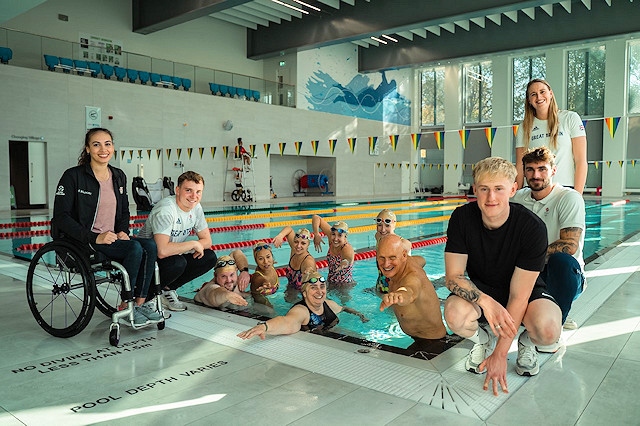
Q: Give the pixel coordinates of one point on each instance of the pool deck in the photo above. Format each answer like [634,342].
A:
[197,372]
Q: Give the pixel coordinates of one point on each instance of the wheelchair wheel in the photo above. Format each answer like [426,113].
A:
[60,289]
[108,291]
[246,196]
[235,195]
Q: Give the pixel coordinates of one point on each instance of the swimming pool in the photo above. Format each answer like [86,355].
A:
[607,225]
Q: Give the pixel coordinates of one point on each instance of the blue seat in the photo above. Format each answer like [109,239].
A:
[107,71]
[240,92]
[233,91]
[95,69]
[256,95]
[177,82]
[81,66]
[224,90]
[143,76]
[132,75]
[214,88]
[5,55]
[51,61]
[66,64]
[120,72]
[186,84]
[155,78]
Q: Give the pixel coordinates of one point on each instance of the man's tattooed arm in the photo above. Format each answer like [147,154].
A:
[468,292]
[567,243]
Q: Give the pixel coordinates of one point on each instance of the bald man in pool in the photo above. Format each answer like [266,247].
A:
[411,294]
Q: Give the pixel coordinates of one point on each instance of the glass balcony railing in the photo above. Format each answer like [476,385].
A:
[29,51]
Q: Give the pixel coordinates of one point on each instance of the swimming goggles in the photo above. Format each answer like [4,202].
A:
[387,220]
[262,247]
[303,236]
[338,230]
[223,263]
[315,280]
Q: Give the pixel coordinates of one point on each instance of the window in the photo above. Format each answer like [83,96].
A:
[585,81]
[432,97]
[525,69]
[478,85]
[634,78]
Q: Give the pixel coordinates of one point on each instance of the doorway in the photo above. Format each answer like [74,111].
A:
[28,173]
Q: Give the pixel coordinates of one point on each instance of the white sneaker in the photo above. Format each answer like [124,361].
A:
[570,324]
[170,301]
[479,353]
[527,362]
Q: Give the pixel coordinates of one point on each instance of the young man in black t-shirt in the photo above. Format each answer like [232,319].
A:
[493,257]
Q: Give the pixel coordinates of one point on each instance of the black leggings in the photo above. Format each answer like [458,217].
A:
[178,270]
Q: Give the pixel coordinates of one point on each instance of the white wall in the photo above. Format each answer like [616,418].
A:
[51,107]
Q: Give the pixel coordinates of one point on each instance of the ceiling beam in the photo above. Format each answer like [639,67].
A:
[149,16]
[366,19]
[560,29]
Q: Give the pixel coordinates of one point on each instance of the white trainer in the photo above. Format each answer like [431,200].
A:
[170,301]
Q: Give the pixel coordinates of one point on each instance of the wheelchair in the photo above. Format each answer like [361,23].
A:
[65,284]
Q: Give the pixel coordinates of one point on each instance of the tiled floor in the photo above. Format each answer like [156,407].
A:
[197,372]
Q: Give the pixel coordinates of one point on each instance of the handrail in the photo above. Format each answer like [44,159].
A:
[29,50]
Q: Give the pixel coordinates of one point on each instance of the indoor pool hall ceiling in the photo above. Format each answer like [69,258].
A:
[400,33]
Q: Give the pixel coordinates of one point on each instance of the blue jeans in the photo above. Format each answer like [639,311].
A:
[181,268]
[564,279]
[138,256]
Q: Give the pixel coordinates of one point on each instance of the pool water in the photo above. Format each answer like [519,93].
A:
[607,225]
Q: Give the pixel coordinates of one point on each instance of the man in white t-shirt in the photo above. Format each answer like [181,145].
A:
[563,212]
[171,223]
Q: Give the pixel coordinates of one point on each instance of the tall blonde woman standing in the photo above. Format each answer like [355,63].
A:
[561,131]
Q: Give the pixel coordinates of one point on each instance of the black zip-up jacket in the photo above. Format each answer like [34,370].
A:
[76,204]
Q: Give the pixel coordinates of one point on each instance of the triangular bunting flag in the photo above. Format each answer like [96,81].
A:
[201,151]
[252,150]
[464,135]
[633,163]
[178,151]
[415,139]
[168,150]
[213,152]
[298,146]
[352,144]
[115,154]
[373,141]
[149,154]
[267,148]
[612,125]
[394,141]
[122,154]
[595,163]
[282,145]
[225,151]
[332,145]
[608,163]
[158,153]
[439,138]
[189,151]
[314,147]
[621,162]
[515,129]
[490,132]
[140,154]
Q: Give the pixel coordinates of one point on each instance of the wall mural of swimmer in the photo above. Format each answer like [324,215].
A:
[358,98]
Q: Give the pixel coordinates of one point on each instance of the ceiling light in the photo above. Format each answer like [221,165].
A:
[290,7]
[317,9]
[390,38]
[378,40]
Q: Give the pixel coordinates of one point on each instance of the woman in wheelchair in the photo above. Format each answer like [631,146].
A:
[91,207]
